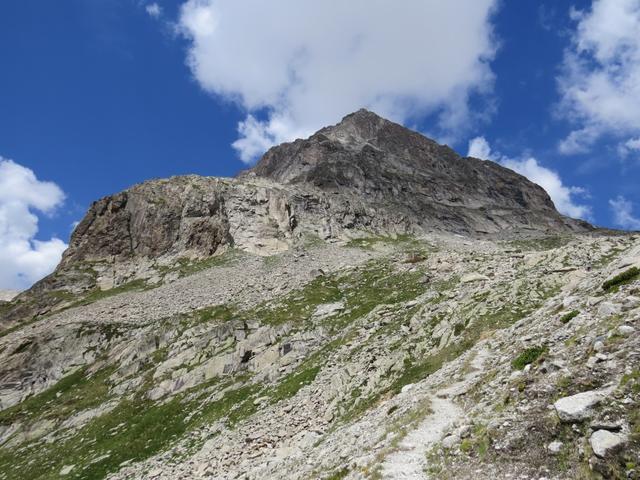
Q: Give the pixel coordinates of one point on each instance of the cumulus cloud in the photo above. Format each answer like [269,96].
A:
[297,65]
[631,146]
[600,80]
[563,196]
[154,10]
[23,259]
[623,213]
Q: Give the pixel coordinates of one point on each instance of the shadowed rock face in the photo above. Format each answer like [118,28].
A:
[408,174]
[365,174]
[150,220]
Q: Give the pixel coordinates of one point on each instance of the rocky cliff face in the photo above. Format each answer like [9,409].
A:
[362,304]
[409,176]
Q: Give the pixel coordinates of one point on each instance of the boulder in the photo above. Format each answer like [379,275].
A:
[328,309]
[554,447]
[580,406]
[606,309]
[604,442]
[473,277]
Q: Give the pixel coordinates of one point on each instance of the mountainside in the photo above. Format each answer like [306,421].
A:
[365,175]
[363,304]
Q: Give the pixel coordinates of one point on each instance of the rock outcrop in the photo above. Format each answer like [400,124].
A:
[406,175]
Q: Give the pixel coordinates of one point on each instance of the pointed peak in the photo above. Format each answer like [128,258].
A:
[360,125]
[362,116]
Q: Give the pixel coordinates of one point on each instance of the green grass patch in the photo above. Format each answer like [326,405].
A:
[623,278]
[135,430]
[98,294]
[185,266]
[71,394]
[361,291]
[527,357]
[215,313]
[291,384]
[540,244]
[567,317]
[339,474]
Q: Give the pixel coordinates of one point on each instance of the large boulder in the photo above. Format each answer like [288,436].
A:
[580,406]
[604,442]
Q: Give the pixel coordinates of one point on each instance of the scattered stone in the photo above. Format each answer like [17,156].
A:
[607,309]
[604,442]
[578,407]
[450,441]
[625,330]
[555,447]
[66,470]
[328,309]
[473,277]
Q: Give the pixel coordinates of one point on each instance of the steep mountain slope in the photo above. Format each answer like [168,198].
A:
[304,321]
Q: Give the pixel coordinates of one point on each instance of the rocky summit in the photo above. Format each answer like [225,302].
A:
[362,304]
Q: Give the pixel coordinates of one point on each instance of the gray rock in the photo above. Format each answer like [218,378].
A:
[450,441]
[606,309]
[580,406]
[555,447]
[66,470]
[604,442]
[473,277]
[328,309]
[625,330]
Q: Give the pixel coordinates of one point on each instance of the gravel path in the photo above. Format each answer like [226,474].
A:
[408,462]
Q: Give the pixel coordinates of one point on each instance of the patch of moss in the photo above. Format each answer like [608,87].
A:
[73,393]
[623,278]
[541,244]
[567,317]
[291,384]
[527,357]
[98,294]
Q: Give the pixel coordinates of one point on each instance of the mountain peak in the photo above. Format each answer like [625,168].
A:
[385,164]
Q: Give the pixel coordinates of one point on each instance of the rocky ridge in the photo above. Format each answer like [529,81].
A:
[365,174]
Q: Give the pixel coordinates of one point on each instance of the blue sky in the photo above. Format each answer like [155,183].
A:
[96,95]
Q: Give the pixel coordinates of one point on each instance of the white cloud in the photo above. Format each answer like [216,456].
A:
[23,259]
[630,146]
[304,64]
[479,148]
[600,81]
[563,196]
[623,213]
[154,10]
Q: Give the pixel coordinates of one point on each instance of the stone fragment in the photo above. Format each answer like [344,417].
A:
[328,309]
[66,470]
[555,447]
[625,330]
[606,309]
[604,442]
[578,407]
[473,277]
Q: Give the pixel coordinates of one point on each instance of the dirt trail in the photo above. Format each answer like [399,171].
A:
[408,462]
